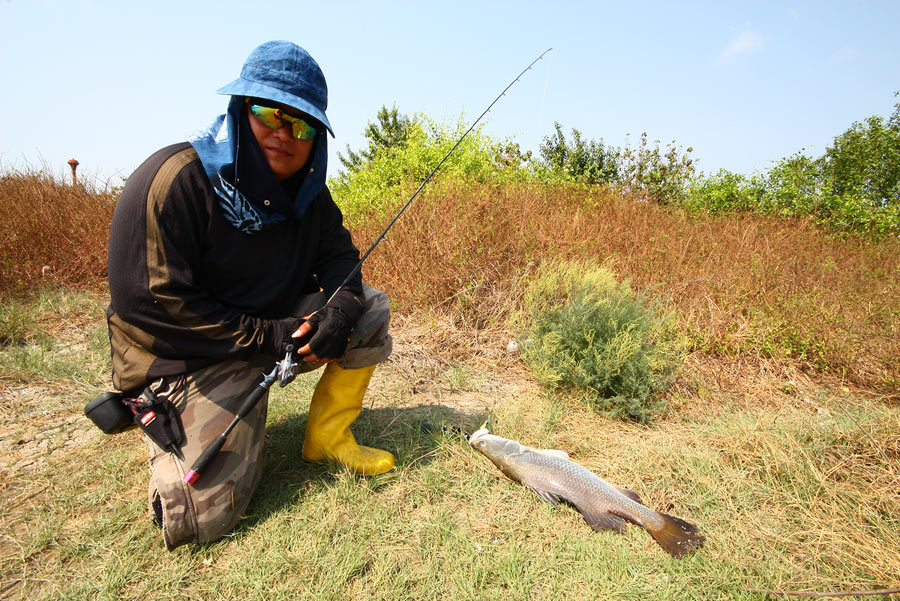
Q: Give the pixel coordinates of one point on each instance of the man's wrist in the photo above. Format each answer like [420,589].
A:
[350,304]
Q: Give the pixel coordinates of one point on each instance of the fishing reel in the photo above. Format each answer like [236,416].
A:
[287,368]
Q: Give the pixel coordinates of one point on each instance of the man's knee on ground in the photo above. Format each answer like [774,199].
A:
[202,517]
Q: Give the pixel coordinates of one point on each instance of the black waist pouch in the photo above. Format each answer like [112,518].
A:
[115,412]
[109,413]
[159,420]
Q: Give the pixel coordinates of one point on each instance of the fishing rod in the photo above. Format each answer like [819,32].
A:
[381,238]
[286,369]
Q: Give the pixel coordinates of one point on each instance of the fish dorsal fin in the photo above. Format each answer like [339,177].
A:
[547,496]
[603,520]
[628,493]
[551,453]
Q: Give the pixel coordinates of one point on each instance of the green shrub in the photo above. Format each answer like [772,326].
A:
[724,192]
[806,187]
[586,332]
[852,189]
[392,172]
[657,176]
[589,161]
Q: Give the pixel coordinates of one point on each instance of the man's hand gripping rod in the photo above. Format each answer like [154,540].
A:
[286,369]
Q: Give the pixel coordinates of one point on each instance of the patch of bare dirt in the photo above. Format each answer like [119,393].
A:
[37,424]
[437,363]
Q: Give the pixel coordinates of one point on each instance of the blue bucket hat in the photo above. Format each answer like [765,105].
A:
[286,73]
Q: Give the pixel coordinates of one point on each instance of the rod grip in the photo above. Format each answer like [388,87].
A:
[213,449]
[251,400]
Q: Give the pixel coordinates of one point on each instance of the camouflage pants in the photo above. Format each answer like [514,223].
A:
[207,401]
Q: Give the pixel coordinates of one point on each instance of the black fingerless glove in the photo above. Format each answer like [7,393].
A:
[350,305]
[332,325]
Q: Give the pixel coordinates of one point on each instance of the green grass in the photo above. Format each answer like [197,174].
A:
[55,337]
[794,491]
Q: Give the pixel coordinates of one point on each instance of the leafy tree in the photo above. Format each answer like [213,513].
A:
[588,161]
[853,188]
[390,130]
[865,161]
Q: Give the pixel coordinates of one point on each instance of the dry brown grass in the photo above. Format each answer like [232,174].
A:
[51,232]
[747,288]
[746,285]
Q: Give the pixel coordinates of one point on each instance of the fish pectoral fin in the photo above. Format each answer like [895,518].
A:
[629,493]
[603,520]
[547,496]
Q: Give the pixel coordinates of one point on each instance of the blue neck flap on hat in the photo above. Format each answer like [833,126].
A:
[217,146]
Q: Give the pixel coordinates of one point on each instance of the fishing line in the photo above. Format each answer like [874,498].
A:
[381,237]
[540,122]
[546,85]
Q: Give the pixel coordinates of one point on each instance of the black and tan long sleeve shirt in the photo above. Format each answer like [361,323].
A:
[188,289]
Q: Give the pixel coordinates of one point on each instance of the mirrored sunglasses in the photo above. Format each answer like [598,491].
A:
[275,118]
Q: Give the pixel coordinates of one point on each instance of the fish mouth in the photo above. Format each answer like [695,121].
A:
[479,433]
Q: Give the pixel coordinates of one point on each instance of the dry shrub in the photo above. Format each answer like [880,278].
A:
[743,284]
[51,232]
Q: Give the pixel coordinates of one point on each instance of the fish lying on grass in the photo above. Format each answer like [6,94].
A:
[554,478]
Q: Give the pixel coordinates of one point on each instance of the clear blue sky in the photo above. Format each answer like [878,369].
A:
[743,83]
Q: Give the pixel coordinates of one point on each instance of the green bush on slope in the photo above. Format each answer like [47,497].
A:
[588,333]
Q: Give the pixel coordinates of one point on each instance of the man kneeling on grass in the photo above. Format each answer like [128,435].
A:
[220,248]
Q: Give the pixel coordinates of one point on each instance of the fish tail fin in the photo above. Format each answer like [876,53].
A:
[677,537]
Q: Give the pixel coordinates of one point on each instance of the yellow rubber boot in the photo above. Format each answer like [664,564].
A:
[335,405]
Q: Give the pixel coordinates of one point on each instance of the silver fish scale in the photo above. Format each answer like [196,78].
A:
[579,486]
